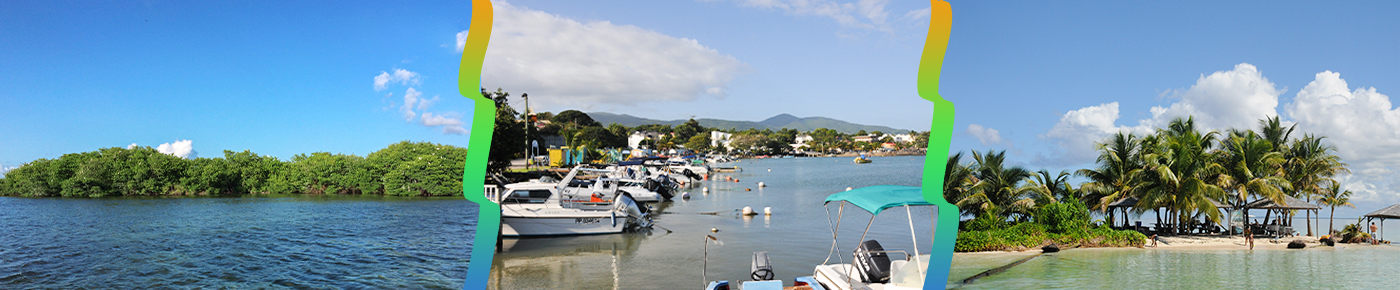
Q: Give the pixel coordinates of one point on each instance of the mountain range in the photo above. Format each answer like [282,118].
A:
[775,123]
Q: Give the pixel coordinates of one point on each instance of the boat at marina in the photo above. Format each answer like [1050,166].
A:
[540,208]
[871,267]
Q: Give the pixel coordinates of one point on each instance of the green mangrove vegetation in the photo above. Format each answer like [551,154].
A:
[1182,174]
[401,169]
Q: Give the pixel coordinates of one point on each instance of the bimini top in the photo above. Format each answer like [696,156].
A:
[877,198]
[638,161]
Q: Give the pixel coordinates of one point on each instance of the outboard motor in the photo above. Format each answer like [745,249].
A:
[637,214]
[762,269]
[873,267]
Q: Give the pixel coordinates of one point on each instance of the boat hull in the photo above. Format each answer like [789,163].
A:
[536,226]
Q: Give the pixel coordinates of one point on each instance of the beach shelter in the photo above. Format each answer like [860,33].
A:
[1389,212]
[1289,203]
[1124,204]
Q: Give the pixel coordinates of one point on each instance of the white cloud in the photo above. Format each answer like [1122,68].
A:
[181,148]
[1077,131]
[451,123]
[400,76]
[1237,98]
[409,99]
[919,14]
[863,14]
[576,65]
[6,169]
[132,146]
[424,104]
[983,134]
[1364,127]
[462,40]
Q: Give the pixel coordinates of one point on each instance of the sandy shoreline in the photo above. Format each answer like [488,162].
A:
[1192,243]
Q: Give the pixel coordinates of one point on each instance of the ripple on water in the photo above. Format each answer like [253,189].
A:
[325,242]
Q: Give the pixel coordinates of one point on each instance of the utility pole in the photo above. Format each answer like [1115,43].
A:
[528,158]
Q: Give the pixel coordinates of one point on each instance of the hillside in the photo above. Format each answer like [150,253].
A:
[776,122]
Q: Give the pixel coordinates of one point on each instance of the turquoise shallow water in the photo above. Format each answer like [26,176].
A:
[288,242]
[797,236]
[1346,267]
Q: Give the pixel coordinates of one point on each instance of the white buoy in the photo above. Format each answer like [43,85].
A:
[848,188]
[747,210]
[714,230]
[685,195]
[705,189]
[770,170]
[767,210]
[760,184]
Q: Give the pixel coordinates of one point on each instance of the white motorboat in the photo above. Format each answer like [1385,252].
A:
[871,267]
[538,208]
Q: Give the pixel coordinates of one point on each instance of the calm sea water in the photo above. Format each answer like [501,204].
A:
[797,236]
[1345,267]
[265,242]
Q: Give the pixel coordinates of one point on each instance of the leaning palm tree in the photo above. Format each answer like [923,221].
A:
[998,188]
[956,180]
[1333,197]
[1309,163]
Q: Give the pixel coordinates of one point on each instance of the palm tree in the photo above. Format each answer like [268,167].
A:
[1052,188]
[1309,163]
[1118,161]
[997,188]
[1272,129]
[956,180]
[1333,197]
[1177,173]
[1253,168]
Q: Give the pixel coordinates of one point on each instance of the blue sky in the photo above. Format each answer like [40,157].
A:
[1040,80]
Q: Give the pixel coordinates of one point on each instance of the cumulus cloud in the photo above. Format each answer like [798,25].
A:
[1362,124]
[181,148]
[400,76]
[409,99]
[983,134]
[576,64]
[6,169]
[132,146]
[1236,98]
[863,14]
[451,123]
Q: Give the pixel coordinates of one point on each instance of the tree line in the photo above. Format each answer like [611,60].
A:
[402,169]
[579,129]
[1180,172]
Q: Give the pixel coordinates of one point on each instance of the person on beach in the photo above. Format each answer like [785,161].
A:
[1249,237]
[1373,234]
[1154,240]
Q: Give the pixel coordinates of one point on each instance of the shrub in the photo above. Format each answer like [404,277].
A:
[1063,217]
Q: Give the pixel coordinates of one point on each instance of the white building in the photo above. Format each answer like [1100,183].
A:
[635,140]
[718,138]
[902,138]
[803,139]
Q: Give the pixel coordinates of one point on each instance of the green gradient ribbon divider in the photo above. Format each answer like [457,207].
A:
[488,218]
[940,134]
